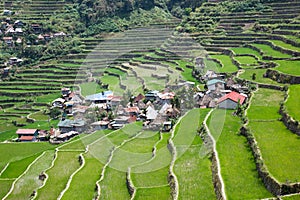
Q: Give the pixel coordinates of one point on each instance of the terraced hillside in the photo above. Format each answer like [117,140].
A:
[33,10]
[251,153]
[141,164]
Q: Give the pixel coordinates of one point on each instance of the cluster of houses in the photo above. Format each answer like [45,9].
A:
[155,109]
[14,32]
[221,94]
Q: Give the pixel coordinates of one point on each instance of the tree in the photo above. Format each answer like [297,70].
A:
[253,76]
[54,113]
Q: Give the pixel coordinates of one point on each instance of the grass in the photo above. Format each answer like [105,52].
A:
[245,51]
[228,66]
[265,105]
[293,197]
[268,51]
[39,116]
[10,152]
[59,175]
[293,104]
[113,83]
[241,180]
[289,67]
[47,98]
[285,45]
[113,180]
[30,182]
[153,178]
[88,175]
[156,193]
[186,131]
[16,168]
[279,148]
[246,60]
[194,175]
[90,88]
[83,140]
[247,75]
[5,186]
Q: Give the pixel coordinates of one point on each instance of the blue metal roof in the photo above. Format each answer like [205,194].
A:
[100,96]
[214,81]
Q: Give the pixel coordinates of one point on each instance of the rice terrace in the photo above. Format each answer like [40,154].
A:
[150,99]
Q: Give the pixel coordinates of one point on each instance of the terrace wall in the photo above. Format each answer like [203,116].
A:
[282,78]
[289,122]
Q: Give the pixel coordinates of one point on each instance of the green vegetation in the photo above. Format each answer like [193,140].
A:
[20,151]
[277,144]
[246,60]
[227,65]
[285,45]
[89,88]
[289,67]
[16,168]
[29,182]
[114,179]
[236,159]
[292,104]
[59,175]
[246,51]
[88,175]
[156,193]
[5,186]
[279,148]
[268,51]
[247,74]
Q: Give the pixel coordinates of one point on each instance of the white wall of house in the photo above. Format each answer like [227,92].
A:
[228,104]
[211,87]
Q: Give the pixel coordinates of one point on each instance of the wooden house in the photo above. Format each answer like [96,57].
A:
[27,135]
[231,100]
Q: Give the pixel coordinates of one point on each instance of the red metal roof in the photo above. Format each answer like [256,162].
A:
[26,131]
[234,96]
[26,138]
[139,98]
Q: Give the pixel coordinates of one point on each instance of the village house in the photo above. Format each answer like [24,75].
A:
[100,98]
[68,125]
[19,23]
[65,92]
[36,28]
[215,84]
[151,95]
[19,41]
[132,111]
[8,41]
[19,31]
[121,121]
[66,136]
[14,61]
[167,126]
[5,72]
[10,31]
[7,12]
[100,125]
[115,101]
[60,34]
[27,135]
[47,37]
[210,74]
[4,25]
[58,103]
[231,100]
[138,98]
[165,97]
